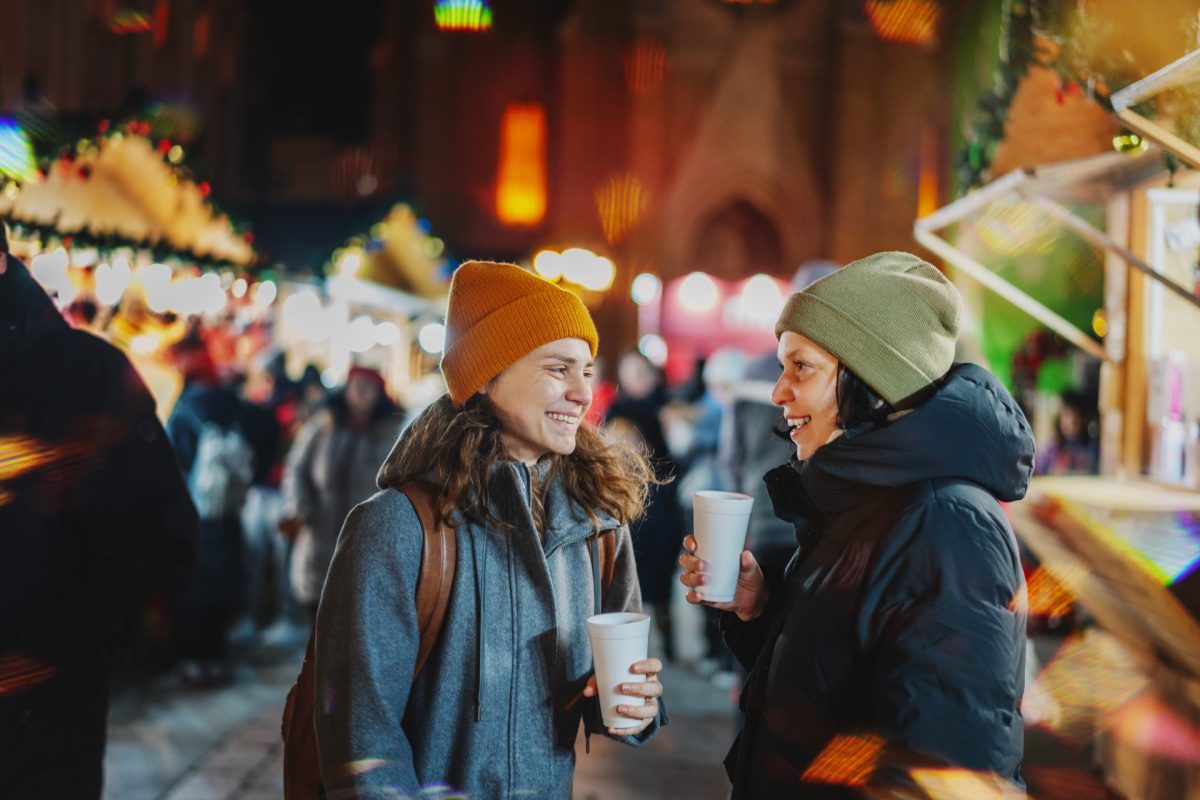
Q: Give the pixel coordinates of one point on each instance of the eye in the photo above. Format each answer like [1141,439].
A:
[560,370]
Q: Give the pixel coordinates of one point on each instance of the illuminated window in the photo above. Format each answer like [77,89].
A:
[521,185]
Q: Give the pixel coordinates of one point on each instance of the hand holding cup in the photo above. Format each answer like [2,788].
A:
[750,597]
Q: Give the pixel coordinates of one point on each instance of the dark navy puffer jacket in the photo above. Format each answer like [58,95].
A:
[896,636]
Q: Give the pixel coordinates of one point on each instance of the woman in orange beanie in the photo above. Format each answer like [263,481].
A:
[534,495]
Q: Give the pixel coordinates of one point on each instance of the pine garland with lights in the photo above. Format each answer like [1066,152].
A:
[1058,34]
[173,154]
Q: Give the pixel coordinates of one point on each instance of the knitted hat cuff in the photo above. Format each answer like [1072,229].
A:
[499,339]
[826,325]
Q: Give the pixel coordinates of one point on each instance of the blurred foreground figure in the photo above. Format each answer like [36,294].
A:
[96,534]
[895,638]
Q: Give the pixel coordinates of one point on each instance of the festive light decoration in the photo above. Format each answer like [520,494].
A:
[463,15]
[578,266]
[432,338]
[906,21]
[620,203]
[16,153]
[128,21]
[521,185]
[1130,143]
[645,65]
[846,761]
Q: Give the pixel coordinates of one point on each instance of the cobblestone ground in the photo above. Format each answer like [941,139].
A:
[173,744]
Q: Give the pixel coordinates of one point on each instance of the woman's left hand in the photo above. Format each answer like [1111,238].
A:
[651,689]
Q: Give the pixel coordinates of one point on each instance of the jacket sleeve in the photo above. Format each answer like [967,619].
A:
[747,639]
[623,594]
[134,526]
[366,648]
[943,621]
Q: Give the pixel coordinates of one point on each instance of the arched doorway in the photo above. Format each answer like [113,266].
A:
[736,241]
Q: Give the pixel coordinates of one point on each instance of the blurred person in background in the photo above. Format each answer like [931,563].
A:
[758,440]
[331,468]
[208,432]
[1074,449]
[98,536]
[534,497]
[637,409]
[269,404]
[901,616]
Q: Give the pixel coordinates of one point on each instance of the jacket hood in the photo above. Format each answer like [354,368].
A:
[970,429]
[26,312]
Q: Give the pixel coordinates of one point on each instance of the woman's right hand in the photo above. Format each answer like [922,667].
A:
[751,596]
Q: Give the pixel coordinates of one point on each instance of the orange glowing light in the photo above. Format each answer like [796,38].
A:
[958,784]
[620,203]
[905,21]
[521,185]
[846,761]
[18,455]
[1052,594]
[18,673]
[128,21]
[645,66]
[1087,681]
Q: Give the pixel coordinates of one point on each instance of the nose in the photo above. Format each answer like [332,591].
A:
[779,395]
[579,390]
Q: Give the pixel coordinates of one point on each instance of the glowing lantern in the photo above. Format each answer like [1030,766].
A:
[521,185]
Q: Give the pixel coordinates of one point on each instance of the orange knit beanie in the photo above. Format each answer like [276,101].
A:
[497,314]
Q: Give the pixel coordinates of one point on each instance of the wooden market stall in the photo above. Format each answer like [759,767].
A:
[1124,544]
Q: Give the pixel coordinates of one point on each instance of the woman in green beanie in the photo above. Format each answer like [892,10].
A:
[895,637]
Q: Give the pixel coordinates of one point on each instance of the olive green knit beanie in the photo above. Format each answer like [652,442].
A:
[891,319]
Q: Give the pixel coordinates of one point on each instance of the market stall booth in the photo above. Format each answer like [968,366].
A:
[1121,233]
[381,304]
[130,245]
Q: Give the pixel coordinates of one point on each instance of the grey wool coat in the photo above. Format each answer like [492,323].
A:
[496,710]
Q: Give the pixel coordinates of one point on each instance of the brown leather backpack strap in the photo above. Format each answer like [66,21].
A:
[439,558]
[608,557]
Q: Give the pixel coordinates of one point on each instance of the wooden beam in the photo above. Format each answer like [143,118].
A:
[1162,137]
[1009,292]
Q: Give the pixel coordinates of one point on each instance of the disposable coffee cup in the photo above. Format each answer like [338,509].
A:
[721,520]
[619,640]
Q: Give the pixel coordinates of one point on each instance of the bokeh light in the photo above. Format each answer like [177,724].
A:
[646,288]
[653,347]
[462,15]
[620,202]
[698,293]
[432,338]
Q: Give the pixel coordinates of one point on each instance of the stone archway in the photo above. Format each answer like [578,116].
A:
[735,241]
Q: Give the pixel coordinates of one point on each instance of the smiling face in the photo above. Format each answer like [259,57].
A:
[541,399]
[807,393]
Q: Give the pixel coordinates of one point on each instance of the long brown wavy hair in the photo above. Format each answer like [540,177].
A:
[455,449]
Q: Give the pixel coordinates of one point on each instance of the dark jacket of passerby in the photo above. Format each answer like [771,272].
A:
[96,538]
[905,554]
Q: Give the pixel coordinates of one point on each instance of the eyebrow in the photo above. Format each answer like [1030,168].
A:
[569,360]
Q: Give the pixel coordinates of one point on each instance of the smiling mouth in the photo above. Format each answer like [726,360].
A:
[796,424]
[565,419]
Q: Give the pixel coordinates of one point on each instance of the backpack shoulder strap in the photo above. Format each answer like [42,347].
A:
[439,559]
